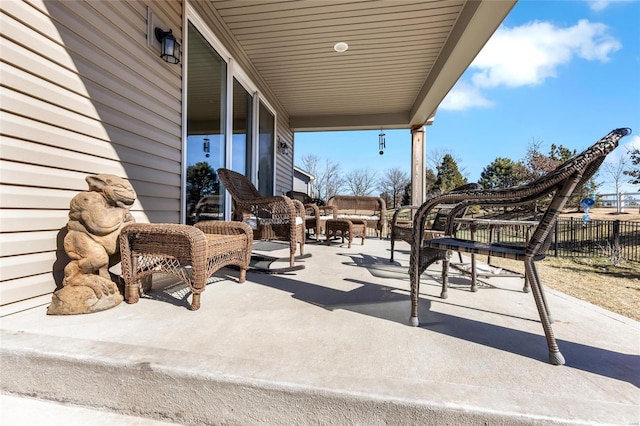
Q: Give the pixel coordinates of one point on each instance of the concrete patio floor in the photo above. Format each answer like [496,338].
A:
[329,344]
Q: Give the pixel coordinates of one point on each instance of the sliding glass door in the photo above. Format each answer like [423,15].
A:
[206,129]
[266,142]
[228,125]
[241,146]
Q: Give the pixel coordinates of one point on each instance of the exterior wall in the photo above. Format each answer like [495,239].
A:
[81,94]
[284,163]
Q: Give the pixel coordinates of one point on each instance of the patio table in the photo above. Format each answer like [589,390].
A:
[190,253]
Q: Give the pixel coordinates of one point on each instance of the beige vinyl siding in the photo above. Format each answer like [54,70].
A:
[284,164]
[81,94]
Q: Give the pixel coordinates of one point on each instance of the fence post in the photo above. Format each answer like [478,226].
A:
[615,238]
[555,243]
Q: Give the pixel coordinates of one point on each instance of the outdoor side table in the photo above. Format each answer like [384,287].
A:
[349,227]
[190,253]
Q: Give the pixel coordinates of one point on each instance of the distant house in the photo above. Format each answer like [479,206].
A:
[302,180]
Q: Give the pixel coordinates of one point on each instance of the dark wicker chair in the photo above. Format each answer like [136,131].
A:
[559,184]
[316,215]
[271,218]
[402,229]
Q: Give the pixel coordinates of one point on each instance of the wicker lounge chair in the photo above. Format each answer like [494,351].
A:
[559,183]
[316,215]
[149,248]
[271,218]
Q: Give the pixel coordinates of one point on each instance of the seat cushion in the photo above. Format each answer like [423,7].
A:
[253,221]
[358,216]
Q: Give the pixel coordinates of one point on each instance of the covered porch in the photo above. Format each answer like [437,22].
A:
[330,344]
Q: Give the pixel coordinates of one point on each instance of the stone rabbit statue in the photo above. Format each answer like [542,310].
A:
[95,220]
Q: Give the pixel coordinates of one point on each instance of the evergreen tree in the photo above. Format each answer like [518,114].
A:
[634,172]
[502,173]
[448,176]
[429,179]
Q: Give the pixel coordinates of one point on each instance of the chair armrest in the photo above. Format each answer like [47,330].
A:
[300,210]
[279,205]
[400,209]
[311,209]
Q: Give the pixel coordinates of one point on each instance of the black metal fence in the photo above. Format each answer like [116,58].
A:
[574,238]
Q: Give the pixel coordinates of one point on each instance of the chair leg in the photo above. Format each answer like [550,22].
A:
[542,292]
[474,274]
[292,253]
[414,277]
[555,357]
[417,265]
[392,245]
[445,278]
[195,301]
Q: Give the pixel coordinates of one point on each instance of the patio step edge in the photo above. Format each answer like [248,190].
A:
[186,396]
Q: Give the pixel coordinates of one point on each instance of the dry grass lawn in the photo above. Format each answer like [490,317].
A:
[595,280]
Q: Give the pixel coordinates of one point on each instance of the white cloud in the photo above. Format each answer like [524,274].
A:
[629,144]
[531,53]
[464,96]
[598,5]
[528,55]
[633,143]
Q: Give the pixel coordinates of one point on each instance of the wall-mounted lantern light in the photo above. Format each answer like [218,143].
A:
[283,148]
[169,46]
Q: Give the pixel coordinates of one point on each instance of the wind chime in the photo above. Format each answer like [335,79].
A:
[381,142]
[206,147]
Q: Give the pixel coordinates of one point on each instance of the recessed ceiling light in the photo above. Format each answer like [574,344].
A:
[341,47]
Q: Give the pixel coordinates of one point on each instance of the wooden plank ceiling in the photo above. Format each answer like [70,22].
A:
[387,76]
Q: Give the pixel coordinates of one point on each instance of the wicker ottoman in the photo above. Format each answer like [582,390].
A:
[350,227]
[148,248]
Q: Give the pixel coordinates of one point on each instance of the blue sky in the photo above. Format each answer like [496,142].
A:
[563,72]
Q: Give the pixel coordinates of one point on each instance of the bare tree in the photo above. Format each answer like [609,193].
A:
[615,172]
[361,181]
[329,180]
[394,182]
[435,156]
[537,164]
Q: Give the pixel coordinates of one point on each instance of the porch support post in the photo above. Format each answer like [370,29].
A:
[417,165]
